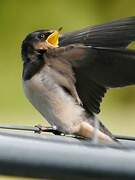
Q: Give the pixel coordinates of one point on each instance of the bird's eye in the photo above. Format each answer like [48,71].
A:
[41,36]
[48,34]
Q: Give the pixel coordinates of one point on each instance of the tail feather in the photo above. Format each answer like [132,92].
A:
[98,125]
[87,130]
[105,130]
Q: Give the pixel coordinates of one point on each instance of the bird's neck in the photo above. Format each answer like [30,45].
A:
[32,64]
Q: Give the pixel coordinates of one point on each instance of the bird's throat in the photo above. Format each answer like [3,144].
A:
[30,67]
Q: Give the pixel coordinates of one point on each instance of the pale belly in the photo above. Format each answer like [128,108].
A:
[58,107]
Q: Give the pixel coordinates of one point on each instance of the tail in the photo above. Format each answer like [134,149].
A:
[103,129]
[95,131]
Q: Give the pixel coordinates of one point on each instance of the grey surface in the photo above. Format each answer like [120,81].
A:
[45,156]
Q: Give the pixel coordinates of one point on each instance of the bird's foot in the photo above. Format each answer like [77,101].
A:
[52,129]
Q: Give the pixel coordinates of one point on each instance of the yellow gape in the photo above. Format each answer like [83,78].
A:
[53,39]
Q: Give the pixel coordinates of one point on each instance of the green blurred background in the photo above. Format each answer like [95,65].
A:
[19,17]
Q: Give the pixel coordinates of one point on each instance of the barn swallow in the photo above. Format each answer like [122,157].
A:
[66,76]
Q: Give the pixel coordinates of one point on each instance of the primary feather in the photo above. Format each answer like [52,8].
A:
[119,33]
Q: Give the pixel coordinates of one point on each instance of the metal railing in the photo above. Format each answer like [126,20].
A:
[59,157]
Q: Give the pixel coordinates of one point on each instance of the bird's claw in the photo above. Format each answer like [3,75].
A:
[39,128]
[52,129]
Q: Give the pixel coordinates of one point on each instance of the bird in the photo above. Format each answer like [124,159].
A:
[65,76]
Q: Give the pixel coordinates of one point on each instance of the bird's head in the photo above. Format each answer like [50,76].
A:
[38,42]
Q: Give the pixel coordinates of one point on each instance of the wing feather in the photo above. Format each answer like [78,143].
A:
[98,68]
[119,33]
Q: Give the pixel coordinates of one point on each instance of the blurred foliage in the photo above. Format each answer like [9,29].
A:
[17,18]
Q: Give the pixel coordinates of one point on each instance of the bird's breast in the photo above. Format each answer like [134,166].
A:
[50,99]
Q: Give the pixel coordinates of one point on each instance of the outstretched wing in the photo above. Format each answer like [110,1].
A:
[98,68]
[118,33]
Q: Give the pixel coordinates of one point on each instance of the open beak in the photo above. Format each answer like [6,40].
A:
[53,39]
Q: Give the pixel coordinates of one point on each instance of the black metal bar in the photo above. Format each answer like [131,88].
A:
[125,137]
[15,127]
[50,129]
